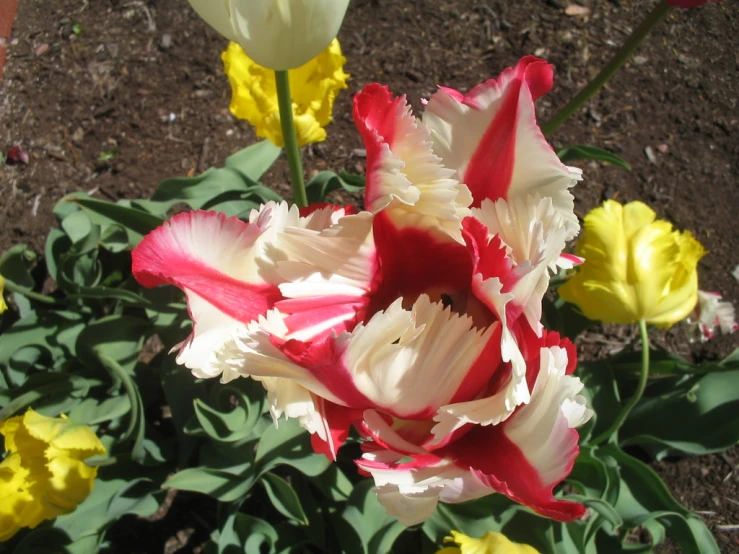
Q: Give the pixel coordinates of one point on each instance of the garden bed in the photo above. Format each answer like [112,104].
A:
[113,97]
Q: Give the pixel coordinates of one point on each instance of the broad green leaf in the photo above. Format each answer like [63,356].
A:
[222,485]
[565,318]
[44,540]
[583,152]
[364,526]
[327,181]
[48,393]
[701,420]
[16,265]
[290,445]
[106,504]
[253,161]
[118,337]
[136,222]
[243,533]
[181,389]
[602,395]
[53,331]
[644,498]
[92,412]
[57,245]
[232,410]
[283,497]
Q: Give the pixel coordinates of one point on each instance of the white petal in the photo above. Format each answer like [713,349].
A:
[541,428]
[413,361]
[534,233]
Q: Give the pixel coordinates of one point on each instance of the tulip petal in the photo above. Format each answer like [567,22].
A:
[228,270]
[217,14]
[284,35]
[490,138]
[410,491]
[532,451]
[409,363]
[328,275]
[404,177]
[534,234]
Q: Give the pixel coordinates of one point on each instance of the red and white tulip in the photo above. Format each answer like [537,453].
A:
[417,321]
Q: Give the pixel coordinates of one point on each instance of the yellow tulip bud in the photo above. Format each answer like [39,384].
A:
[489,543]
[43,474]
[313,86]
[3,305]
[636,267]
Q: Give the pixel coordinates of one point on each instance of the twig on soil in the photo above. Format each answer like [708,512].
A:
[34,206]
[733,527]
[203,159]
[152,26]
[360,41]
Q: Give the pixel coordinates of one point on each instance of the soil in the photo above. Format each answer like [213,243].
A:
[141,83]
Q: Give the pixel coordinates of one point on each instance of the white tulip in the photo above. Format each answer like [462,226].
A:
[278,34]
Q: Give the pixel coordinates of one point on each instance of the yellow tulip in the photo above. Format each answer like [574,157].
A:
[3,305]
[313,86]
[636,267]
[43,474]
[489,543]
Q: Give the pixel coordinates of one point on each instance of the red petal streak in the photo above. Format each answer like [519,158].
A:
[376,115]
[488,255]
[412,261]
[338,421]
[500,464]
[163,258]
[489,172]
[323,360]
[327,313]
[478,377]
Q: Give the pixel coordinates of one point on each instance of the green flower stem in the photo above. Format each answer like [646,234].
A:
[291,140]
[634,400]
[631,44]
[119,374]
[28,293]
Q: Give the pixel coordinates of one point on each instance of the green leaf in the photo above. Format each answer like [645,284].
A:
[220,484]
[105,504]
[565,318]
[364,525]
[289,445]
[232,410]
[53,332]
[583,152]
[136,222]
[243,533]
[645,500]
[92,412]
[253,161]
[113,343]
[699,417]
[49,393]
[16,265]
[181,390]
[327,181]
[602,395]
[283,497]
[57,245]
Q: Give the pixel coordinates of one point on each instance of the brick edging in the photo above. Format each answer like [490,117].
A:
[8,10]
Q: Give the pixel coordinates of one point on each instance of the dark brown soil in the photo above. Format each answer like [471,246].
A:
[142,81]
